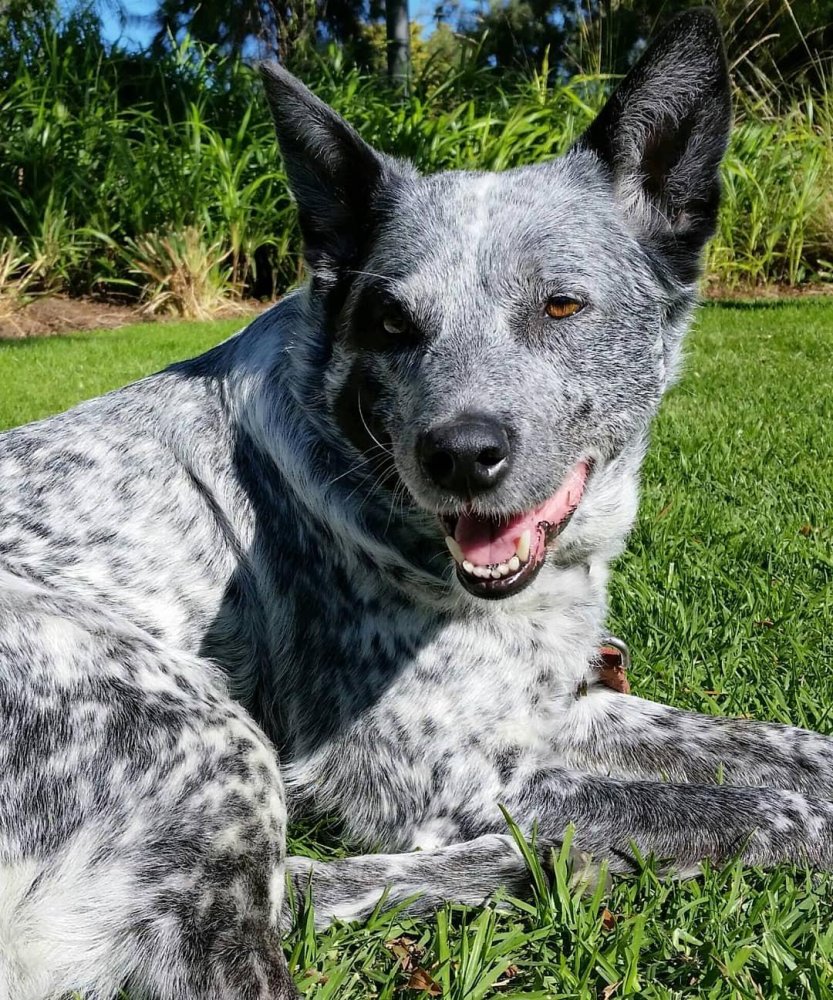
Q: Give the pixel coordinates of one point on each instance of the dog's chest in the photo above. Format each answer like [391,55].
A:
[498,683]
[416,711]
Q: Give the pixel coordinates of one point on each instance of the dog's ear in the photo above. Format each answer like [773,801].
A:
[334,175]
[662,135]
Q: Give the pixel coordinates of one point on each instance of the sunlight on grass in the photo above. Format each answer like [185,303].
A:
[42,376]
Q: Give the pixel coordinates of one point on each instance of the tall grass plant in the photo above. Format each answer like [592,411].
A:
[159,179]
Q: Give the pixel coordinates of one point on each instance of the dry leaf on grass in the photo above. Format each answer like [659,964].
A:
[407,952]
[420,980]
[505,979]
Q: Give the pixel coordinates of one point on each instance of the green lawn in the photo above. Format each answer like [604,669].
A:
[39,376]
[725,595]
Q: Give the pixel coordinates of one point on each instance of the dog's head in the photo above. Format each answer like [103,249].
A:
[507,337]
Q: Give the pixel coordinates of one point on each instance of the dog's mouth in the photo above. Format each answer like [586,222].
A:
[496,556]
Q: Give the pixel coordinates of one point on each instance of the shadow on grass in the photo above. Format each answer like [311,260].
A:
[63,338]
[769,305]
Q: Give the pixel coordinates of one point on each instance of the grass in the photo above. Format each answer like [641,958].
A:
[40,376]
[725,596]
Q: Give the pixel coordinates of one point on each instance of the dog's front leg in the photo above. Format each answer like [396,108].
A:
[611,733]
[469,872]
[680,825]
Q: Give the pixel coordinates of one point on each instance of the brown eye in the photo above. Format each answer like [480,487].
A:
[560,307]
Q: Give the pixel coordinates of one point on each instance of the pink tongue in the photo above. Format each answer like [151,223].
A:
[485,541]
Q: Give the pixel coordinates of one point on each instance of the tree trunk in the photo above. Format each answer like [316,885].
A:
[399,41]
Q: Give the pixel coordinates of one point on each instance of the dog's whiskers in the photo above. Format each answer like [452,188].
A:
[369,458]
[384,278]
[369,431]
[381,473]
[400,493]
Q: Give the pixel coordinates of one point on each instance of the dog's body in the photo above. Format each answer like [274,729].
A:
[250,536]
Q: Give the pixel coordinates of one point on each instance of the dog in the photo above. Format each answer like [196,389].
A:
[353,562]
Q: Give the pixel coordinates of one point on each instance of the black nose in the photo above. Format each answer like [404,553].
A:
[467,455]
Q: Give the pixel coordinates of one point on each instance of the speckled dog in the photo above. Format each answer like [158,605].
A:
[368,537]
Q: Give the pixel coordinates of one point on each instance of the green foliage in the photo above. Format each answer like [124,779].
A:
[787,38]
[18,277]
[777,218]
[103,151]
[112,164]
[726,596]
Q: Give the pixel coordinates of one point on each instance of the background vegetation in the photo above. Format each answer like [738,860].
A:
[153,174]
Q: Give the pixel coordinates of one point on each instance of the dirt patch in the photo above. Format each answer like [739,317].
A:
[57,314]
[60,314]
[738,293]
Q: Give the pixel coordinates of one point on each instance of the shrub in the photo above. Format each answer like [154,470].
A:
[18,277]
[159,177]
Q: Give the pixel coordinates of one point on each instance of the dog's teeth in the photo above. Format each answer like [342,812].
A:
[454,549]
[494,572]
[522,548]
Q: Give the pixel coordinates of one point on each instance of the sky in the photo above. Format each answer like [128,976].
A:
[135,35]
[131,35]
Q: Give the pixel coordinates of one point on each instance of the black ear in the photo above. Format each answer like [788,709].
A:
[332,172]
[662,136]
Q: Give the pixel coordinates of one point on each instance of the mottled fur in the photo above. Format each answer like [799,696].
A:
[238,561]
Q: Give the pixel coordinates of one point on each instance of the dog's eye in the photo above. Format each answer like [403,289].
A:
[561,306]
[395,322]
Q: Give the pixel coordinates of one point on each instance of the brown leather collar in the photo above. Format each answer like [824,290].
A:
[612,663]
